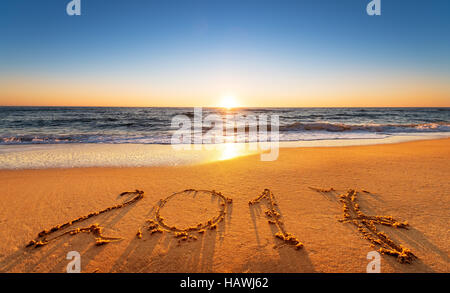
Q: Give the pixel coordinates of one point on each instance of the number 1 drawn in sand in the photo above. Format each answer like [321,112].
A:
[274,218]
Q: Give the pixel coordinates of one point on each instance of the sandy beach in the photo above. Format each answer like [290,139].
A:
[409,181]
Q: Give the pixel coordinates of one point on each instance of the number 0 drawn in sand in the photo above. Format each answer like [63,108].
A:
[159,225]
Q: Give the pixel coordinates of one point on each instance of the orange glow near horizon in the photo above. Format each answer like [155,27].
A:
[356,93]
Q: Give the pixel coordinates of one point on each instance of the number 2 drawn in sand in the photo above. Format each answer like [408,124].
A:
[94,229]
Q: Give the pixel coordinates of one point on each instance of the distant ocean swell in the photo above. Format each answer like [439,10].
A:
[302,129]
[62,125]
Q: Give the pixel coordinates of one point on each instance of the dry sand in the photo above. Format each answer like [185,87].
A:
[409,181]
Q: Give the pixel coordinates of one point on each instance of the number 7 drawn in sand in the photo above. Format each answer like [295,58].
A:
[366,226]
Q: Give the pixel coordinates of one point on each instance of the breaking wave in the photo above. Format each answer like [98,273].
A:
[384,128]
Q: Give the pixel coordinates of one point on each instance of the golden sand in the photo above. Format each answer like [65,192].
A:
[409,181]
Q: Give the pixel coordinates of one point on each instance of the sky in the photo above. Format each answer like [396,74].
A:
[283,53]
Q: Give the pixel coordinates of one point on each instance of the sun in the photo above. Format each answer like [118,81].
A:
[228,102]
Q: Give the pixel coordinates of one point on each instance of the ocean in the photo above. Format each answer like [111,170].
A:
[100,125]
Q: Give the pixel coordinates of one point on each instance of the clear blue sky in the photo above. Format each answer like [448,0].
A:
[163,44]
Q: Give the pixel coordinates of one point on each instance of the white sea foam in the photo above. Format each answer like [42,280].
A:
[145,155]
[109,155]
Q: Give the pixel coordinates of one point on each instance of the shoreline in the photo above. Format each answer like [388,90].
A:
[408,181]
[63,156]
